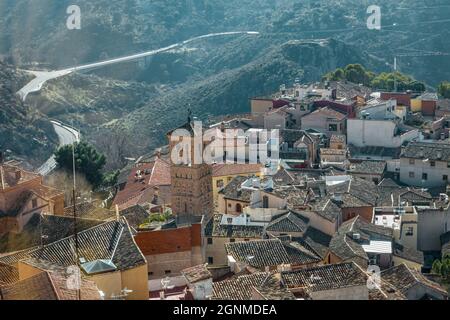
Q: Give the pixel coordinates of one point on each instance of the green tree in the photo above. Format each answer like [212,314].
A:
[88,161]
[444,89]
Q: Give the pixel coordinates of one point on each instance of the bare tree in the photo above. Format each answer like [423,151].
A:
[116,146]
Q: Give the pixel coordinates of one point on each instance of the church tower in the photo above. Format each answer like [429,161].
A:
[191,181]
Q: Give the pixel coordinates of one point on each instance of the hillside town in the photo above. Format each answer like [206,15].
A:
[352,203]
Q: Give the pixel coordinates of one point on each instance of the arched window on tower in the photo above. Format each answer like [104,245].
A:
[238,208]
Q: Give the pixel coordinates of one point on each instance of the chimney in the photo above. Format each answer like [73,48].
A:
[439,153]
[334,94]
[18,175]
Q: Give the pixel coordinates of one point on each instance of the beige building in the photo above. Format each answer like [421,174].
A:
[346,281]
[22,195]
[108,256]
[222,229]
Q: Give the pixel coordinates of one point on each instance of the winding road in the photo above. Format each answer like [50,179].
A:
[66,135]
[41,77]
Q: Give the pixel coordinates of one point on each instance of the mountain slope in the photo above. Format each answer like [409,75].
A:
[229,92]
[23,130]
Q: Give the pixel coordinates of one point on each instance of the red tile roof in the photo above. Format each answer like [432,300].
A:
[220,170]
[141,178]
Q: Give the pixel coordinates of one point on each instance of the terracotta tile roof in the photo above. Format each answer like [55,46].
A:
[386,291]
[290,222]
[438,151]
[259,253]
[259,286]
[404,278]
[9,176]
[196,273]
[233,190]
[48,286]
[52,227]
[367,167]
[8,274]
[109,241]
[327,112]
[316,241]
[345,246]
[408,253]
[90,210]
[220,170]
[142,177]
[327,277]
[300,254]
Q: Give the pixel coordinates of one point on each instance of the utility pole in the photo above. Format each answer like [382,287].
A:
[75,228]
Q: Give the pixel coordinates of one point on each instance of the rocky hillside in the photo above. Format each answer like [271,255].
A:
[229,91]
[23,130]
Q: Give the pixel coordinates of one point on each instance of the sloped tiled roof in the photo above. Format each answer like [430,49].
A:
[325,208]
[8,274]
[404,278]
[220,170]
[316,241]
[299,254]
[407,253]
[196,273]
[153,174]
[439,151]
[259,253]
[238,289]
[327,277]
[51,226]
[346,247]
[233,190]
[290,222]
[265,284]
[109,241]
[48,286]
[368,167]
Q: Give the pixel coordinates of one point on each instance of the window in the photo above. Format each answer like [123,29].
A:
[432,163]
[265,202]
[150,273]
[232,240]
[332,127]
[411,174]
[445,177]
[238,208]
[424,176]
[409,231]
[210,241]
[34,203]
[229,220]
[219,184]
[210,260]
[412,161]
[168,271]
